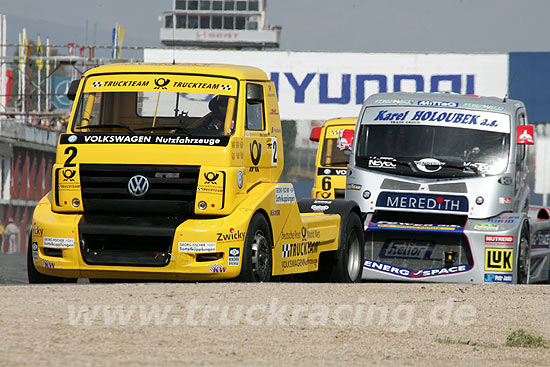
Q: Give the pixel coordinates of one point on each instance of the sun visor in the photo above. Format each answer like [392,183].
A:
[444,117]
[161,83]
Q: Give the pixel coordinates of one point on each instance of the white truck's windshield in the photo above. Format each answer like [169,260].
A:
[433,142]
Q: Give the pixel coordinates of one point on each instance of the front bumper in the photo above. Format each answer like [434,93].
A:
[487,254]
[199,249]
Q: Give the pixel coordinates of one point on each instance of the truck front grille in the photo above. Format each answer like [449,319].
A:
[171,190]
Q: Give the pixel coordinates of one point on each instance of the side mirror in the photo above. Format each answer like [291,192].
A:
[254,93]
[525,135]
[315,134]
[71,92]
[345,140]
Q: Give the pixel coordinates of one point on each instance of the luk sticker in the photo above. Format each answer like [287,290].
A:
[284,194]
[234,256]
[197,247]
[498,259]
[55,242]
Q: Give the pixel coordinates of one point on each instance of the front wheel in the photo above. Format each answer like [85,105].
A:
[524,258]
[351,252]
[257,259]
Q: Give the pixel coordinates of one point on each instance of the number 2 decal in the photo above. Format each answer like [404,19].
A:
[273,151]
[72,154]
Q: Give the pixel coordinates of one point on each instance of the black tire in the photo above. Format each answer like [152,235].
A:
[345,265]
[257,257]
[524,259]
[36,277]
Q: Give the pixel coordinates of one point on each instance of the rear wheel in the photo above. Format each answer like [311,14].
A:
[524,258]
[35,277]
[257,256]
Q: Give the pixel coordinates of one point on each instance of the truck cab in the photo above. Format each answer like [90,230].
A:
[170,171]
[331,161]
[441,180]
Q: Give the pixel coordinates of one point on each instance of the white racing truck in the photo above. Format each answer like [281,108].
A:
[441,180]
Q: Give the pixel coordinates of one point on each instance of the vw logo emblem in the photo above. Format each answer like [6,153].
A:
[138,186]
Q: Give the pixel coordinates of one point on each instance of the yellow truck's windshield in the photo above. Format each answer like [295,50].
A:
[178,104]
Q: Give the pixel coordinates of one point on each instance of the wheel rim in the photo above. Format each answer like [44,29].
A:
[260,256]
[354,257]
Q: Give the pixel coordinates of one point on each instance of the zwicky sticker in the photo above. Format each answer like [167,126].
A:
[55,242]
[197,246]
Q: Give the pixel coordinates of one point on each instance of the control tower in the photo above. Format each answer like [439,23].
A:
[218,24]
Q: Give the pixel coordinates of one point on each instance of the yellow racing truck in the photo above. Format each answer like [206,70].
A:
[170,172]
[331,161]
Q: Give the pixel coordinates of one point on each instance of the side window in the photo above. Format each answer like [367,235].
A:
[255,107]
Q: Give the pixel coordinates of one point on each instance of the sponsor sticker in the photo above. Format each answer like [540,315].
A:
[382,162]
[353,186]
[414,227]
[274,213]
[232,236]
[498,259]
[503,219]
[35,251]
[300,249]
[143,139]
[429,165]
[502,200]
[483,106]
[55,242]
[394,101]
[197,247]
[499,240]
[443,203]
[284,194]
[217,268]
[437,104]
[498,278]
[234,256]
[407,249]
[332,172]
[49,264]
[486,226]
[319,208]
[413,274]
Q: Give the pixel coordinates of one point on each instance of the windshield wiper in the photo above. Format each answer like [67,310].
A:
[106,126]
[167,127]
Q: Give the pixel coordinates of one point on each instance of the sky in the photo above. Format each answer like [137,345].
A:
[309,25]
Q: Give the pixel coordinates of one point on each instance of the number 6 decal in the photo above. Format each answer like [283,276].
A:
[274,151]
